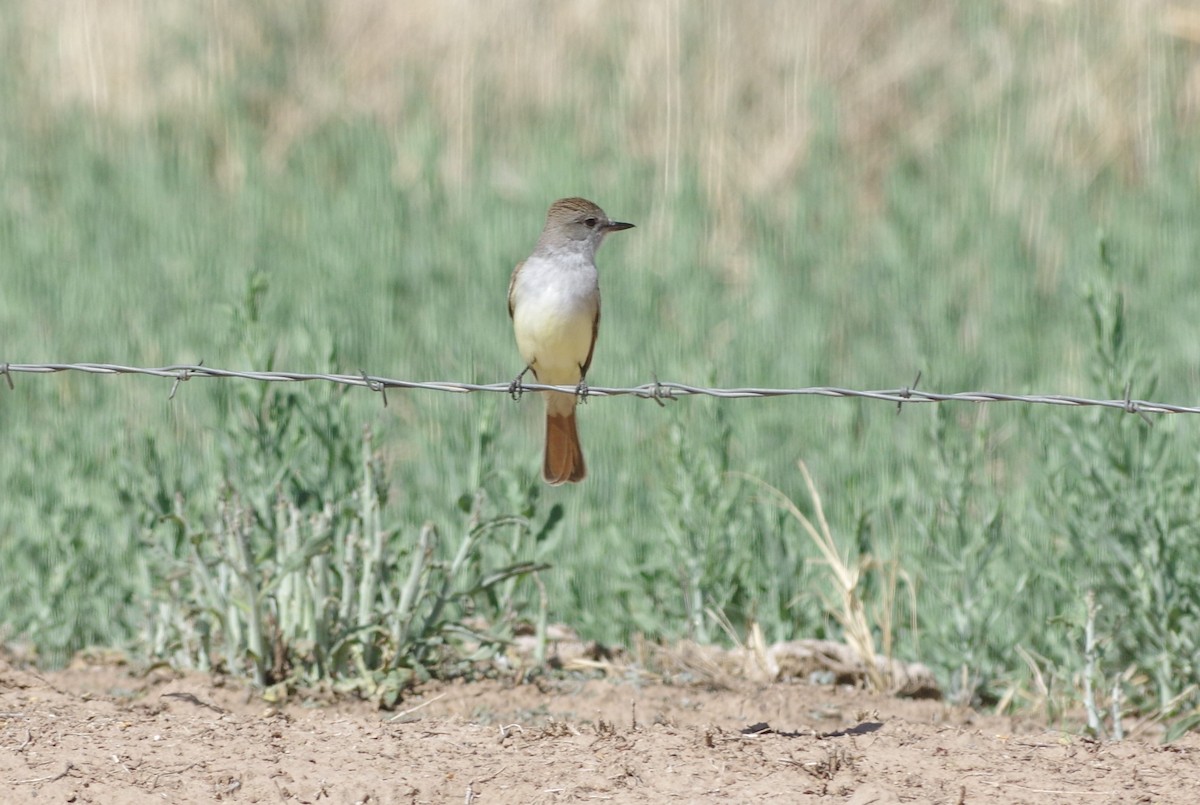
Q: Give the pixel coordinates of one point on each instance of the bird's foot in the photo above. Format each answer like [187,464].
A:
[515,389]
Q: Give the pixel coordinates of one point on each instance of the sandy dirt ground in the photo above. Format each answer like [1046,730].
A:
[106,734]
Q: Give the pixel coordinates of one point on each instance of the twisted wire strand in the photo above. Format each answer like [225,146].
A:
[658,391]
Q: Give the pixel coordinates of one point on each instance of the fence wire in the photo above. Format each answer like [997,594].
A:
[659,391]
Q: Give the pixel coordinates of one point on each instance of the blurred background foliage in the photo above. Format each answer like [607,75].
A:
[998,194]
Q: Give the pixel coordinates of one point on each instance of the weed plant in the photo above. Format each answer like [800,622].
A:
[877,190]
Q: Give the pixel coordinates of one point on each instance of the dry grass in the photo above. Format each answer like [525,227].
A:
[843,574]
[732,92]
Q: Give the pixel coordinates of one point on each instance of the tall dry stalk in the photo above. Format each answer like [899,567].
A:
[844,578]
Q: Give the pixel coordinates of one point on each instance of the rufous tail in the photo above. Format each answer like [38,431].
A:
[564,457]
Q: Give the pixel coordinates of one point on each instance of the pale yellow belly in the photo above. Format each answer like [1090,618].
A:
[554,339]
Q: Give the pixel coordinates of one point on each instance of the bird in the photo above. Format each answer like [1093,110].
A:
[554,303]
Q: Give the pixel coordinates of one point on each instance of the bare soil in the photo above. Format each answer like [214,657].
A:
[101,733]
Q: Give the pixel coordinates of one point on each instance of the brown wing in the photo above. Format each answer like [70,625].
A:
[512,283]
[583,370]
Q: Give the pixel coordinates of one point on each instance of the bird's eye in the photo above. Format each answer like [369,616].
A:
[590,223]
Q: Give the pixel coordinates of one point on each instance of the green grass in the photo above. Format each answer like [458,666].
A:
[948,224]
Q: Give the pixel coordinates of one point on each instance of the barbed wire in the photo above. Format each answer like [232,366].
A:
[659,391]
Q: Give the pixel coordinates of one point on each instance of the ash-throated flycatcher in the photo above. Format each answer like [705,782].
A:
[554,302]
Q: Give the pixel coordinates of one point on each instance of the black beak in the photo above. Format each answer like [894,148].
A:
[616,226]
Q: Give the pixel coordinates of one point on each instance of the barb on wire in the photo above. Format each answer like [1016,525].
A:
[662,394]
[907,391]
[184,375]
[374,385]
[657,391]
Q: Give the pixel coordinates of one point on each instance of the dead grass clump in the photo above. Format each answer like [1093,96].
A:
[729,90]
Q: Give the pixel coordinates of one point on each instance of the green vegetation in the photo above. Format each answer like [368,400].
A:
[876,192]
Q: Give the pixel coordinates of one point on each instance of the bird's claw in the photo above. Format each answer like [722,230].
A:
[515,390]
